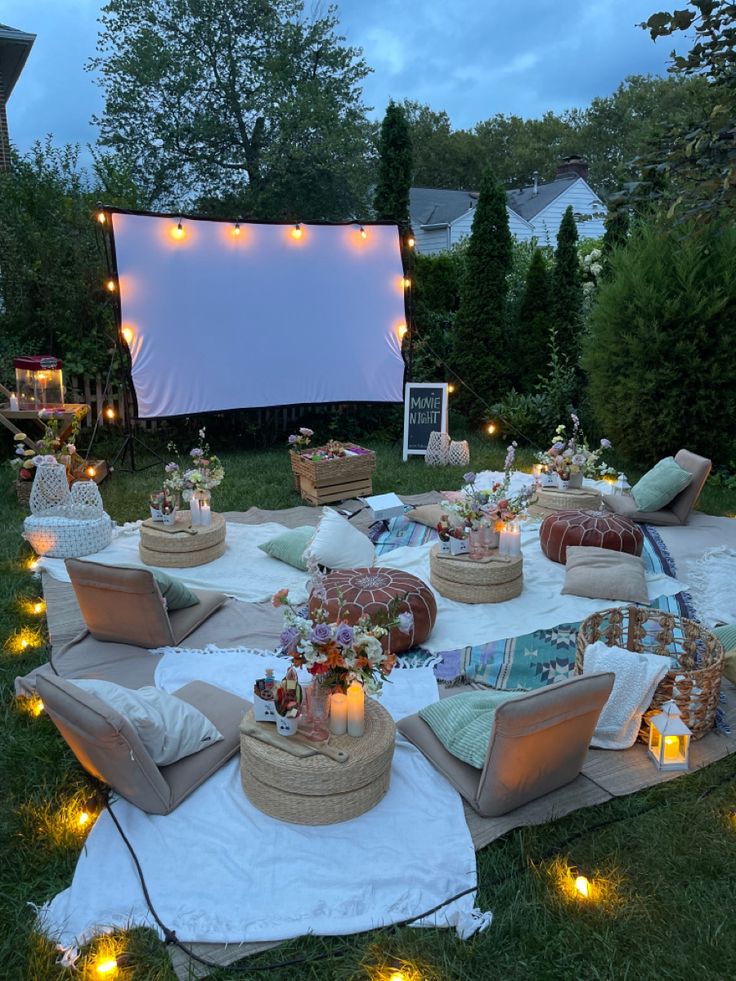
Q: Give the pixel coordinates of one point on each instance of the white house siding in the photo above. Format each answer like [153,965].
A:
[463,225]
[584,201]
[430,241]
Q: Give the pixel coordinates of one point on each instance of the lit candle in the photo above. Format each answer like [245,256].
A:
[509,541]
[13,402]
[338,713]
[194,508]
[356,709]
[205,513]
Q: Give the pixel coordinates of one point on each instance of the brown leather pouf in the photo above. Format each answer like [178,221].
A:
[370,590]
[597,528]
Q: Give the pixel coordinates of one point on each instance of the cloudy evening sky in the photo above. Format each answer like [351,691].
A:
[472,58]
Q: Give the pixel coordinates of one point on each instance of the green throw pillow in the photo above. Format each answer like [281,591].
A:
[291,546]
[660,485]
[463,723]
[727,636]
[177,595]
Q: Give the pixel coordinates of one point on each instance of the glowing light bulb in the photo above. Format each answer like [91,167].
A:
[24,643]
[411,242]
[450,388]
[363,232]
[101,217]
[127,334]
[110,413]
[39,607]
[403,331]
[296,231]
[177,231]
[397,976]
[83,819]
[582,886]
[110,286]
[236,230]
[37,707]
[91,471]
[33,564]
[405,282]
[491,428]
[107,966]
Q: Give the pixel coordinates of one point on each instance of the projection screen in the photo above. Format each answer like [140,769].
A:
[219,315]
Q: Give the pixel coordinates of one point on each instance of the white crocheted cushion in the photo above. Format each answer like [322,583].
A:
[66,537]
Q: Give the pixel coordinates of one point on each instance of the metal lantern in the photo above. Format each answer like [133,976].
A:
[39,382]
[622,486]
[669,739]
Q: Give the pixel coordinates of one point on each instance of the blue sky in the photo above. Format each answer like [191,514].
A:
[472,58]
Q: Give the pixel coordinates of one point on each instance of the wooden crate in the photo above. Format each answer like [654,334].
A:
[326,481]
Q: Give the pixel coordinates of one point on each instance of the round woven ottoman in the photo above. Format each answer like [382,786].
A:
[314,789]
[353,592]
[493,579]
[597,528]
[180,546]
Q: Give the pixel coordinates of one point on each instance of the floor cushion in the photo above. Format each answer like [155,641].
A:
[660,485]
[588,528]
[352,592]
[601,573]
[290,546]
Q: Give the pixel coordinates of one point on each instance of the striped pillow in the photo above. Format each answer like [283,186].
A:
[463,723]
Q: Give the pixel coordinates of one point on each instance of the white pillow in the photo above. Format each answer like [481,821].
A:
[168,727]
[338,545]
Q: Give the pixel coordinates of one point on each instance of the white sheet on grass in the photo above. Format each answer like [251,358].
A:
[244,571]
[540,605]
[220,871]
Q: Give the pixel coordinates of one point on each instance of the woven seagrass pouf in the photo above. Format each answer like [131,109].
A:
[353,592]
[588,528]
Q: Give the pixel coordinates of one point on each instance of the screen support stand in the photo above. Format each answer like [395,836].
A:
[128,445]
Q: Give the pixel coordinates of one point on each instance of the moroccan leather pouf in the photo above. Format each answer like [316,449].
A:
[353,592]
[597,528]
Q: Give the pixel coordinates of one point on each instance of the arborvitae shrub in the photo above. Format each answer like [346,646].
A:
[661,353]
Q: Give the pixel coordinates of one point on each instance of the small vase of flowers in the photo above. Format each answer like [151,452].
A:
[203,473]
[570,458]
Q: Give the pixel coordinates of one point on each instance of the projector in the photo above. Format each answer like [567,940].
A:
[385,506]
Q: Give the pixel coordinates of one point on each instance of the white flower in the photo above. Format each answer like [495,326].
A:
[595,255]
[596,268]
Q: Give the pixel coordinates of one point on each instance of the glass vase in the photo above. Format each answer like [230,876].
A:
[315,714]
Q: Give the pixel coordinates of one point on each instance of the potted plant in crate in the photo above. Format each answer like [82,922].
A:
[332,472]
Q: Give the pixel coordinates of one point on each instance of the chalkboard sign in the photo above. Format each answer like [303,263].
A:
[425,412]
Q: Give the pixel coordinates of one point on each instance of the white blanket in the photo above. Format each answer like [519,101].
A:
[244,571]
[636,678]
[539,606]
[218,870]
[712,586]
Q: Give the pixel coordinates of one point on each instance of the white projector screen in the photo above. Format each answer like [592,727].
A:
[219,316]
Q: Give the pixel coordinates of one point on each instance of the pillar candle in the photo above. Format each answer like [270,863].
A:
[510,540]
[13,403]
[356,709]
[338,713]
[194,509]
[205,513]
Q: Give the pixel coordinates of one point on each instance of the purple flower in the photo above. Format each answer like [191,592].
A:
[469,477]
[406,622]
[196,452]
[306,432]
[558,447]
[321,634]
[606,444]
[344,635]
[171,467]
[293,438]
[288,636]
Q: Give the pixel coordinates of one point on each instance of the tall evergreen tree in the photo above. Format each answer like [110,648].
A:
[480,349]
[567,290]
[617,229]
[534,321]
[395,168]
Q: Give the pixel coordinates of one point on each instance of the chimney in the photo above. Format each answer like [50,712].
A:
[572,166]
[535,177]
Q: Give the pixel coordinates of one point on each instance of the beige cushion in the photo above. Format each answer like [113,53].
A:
[538,743]
[600,573]
[678,510]
[431,515]
[108,746]
[125,606]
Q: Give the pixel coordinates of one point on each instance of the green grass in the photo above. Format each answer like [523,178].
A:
[664,860]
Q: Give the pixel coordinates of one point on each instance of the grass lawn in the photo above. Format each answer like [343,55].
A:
[663,861]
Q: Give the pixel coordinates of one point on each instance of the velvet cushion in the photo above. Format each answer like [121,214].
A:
[600,573]
[352,592]
[339,545]
[463,723]
[597,528]
[660,485]
[168,727]
[177,595]
[291,546]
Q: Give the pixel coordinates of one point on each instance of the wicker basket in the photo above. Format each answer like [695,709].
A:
[699,656]
[325,481]
[495,579]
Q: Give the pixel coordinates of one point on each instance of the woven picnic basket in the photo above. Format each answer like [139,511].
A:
[697,656]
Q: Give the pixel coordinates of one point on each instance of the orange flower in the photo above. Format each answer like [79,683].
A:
[388,664]
[279,599]
[334,656]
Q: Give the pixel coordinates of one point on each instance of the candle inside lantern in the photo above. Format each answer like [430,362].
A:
[509,541]
[338,713]
[356,709]
[13,402]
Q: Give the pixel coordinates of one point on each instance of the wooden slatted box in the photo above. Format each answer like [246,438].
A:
[326,481]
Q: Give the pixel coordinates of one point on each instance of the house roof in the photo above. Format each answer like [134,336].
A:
[14,48]
[439,206]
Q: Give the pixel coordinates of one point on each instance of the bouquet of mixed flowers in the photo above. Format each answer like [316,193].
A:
[571,454]
[205,471]
[496,504]
[301,440]
[332,450]
[49,448]
[336,652]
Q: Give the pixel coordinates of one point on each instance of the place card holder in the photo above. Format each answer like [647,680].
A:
[459,546]
[264,709]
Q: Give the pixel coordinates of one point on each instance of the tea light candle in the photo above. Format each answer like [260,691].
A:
[509,542]
[355,699]
[338,713]
[13,402]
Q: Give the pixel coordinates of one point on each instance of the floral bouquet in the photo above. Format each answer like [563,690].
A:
[570,455]
[205,471]
[492,505]
[335,652]
[48,449]
[301,440]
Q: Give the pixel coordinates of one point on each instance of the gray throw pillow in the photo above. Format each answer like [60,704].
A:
[601,573]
